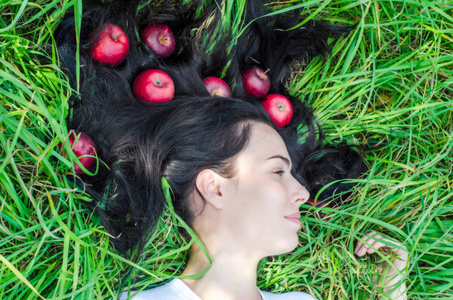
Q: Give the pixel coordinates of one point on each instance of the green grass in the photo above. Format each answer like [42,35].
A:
[387,86]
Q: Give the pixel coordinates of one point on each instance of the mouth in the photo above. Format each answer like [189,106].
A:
[295,218]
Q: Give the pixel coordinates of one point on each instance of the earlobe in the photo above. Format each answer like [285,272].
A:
[208,184]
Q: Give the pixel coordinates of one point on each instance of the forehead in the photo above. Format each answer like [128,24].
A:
[264,142]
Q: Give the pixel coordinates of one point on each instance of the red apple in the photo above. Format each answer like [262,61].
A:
[84,149]
[154,86]
[319,215]
[256,82]
[111,46]
[217,87]
[279,108]
[159,38]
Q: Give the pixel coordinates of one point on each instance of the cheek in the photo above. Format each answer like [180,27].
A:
[257,216]
[273,187]
[266,223]
[263,194]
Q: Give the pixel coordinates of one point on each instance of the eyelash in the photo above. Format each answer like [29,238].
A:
[281,172]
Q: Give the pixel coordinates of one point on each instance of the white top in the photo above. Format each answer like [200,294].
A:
[176,289]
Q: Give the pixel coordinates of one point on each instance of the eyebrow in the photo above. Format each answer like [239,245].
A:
[285,160]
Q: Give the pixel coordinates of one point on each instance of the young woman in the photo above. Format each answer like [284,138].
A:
[237,180]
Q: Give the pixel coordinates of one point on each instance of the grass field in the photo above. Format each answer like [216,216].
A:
[388,87]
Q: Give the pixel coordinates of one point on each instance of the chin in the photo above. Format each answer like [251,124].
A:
[293,245]
[285,246]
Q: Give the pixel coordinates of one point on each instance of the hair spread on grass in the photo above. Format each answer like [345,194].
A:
[140,142]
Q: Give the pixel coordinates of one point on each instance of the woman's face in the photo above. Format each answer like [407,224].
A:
[261,210]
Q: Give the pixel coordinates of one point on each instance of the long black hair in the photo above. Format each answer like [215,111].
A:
[141,142]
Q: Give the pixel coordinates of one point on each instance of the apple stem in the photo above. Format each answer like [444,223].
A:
[163,39]
[263,75]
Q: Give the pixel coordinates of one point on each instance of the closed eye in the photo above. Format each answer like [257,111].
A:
[281,172]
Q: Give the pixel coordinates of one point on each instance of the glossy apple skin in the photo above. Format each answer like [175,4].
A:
[154,86]
[319,215]
[159,38]
[217,87]
[84,149]
[256,82]
[111,46]
[279,108]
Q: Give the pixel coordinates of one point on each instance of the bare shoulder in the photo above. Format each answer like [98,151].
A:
[288,296]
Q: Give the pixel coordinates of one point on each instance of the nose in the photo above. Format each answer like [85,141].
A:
[300,194]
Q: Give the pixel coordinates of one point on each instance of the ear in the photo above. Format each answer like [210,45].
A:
[209,184]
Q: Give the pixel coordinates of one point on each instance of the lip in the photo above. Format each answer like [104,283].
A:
[295,218]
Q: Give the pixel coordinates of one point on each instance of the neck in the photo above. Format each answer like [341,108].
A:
[232,275]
